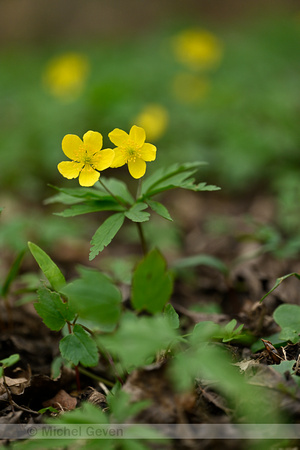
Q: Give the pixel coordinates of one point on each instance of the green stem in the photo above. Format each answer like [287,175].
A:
[96,377]
[113,195]
[142,238]
[138,224]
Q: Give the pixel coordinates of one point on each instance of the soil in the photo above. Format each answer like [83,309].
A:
[211,224]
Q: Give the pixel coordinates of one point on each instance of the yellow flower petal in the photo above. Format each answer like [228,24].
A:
[148,152]
[119,159]
[118,137]
[72,147]
[103,159]
[88,176]
[69,169]
[138,135]
[93,141]
[137,168]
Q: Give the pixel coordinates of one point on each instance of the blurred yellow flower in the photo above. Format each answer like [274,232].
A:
[190,88]
[154,119]
[87,157]
[198,49]
[132,150]
[66,74]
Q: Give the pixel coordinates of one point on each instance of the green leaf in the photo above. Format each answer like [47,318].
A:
[52,309]
[121,408]
[48,267]
[10,361]
[202,259]
[175,176]
[79,193]
[12,273]
[136,213]
[170,176]
[287,315]
[105,234]
[94,297]
[137,339]
[89,207]
[116,187]
[171,315]
[152,283]
[279,281]
[288,318]
[160,209]
[79,347]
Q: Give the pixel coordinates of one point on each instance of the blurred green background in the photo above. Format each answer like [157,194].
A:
[214,81]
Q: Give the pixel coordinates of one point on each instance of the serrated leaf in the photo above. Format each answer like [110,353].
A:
[48,267]
[105,234]
[152,284]
[160,209]
[171,315]
[89,207]
[79,347]
[94,297]
[136,213]
[82,193]
[204,187]
[52,309]
[175,176]
[165,174]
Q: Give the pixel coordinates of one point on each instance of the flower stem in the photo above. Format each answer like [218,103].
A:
[139,225]
[142,238]
[113,195]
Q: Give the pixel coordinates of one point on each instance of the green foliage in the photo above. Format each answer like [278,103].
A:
[54,312]
[121,407]
[137,214]
[160,209]
[8,362]
[48,267]
[13,272]
[171,315]
[208,330]
[79,347]
[202,259]
[175,176]
[288,318]
[279,281]
[105,234]
[95,298]
[138,339]
[152,284]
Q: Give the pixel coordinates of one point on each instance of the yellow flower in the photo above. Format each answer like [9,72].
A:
[154,119]
[87,157]
[65,75]
[190,88]
[198,49]
[132,150]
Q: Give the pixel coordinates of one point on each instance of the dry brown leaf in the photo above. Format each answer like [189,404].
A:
[16,385]
[61,401]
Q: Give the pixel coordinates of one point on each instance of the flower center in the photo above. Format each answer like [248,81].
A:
[131,151]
